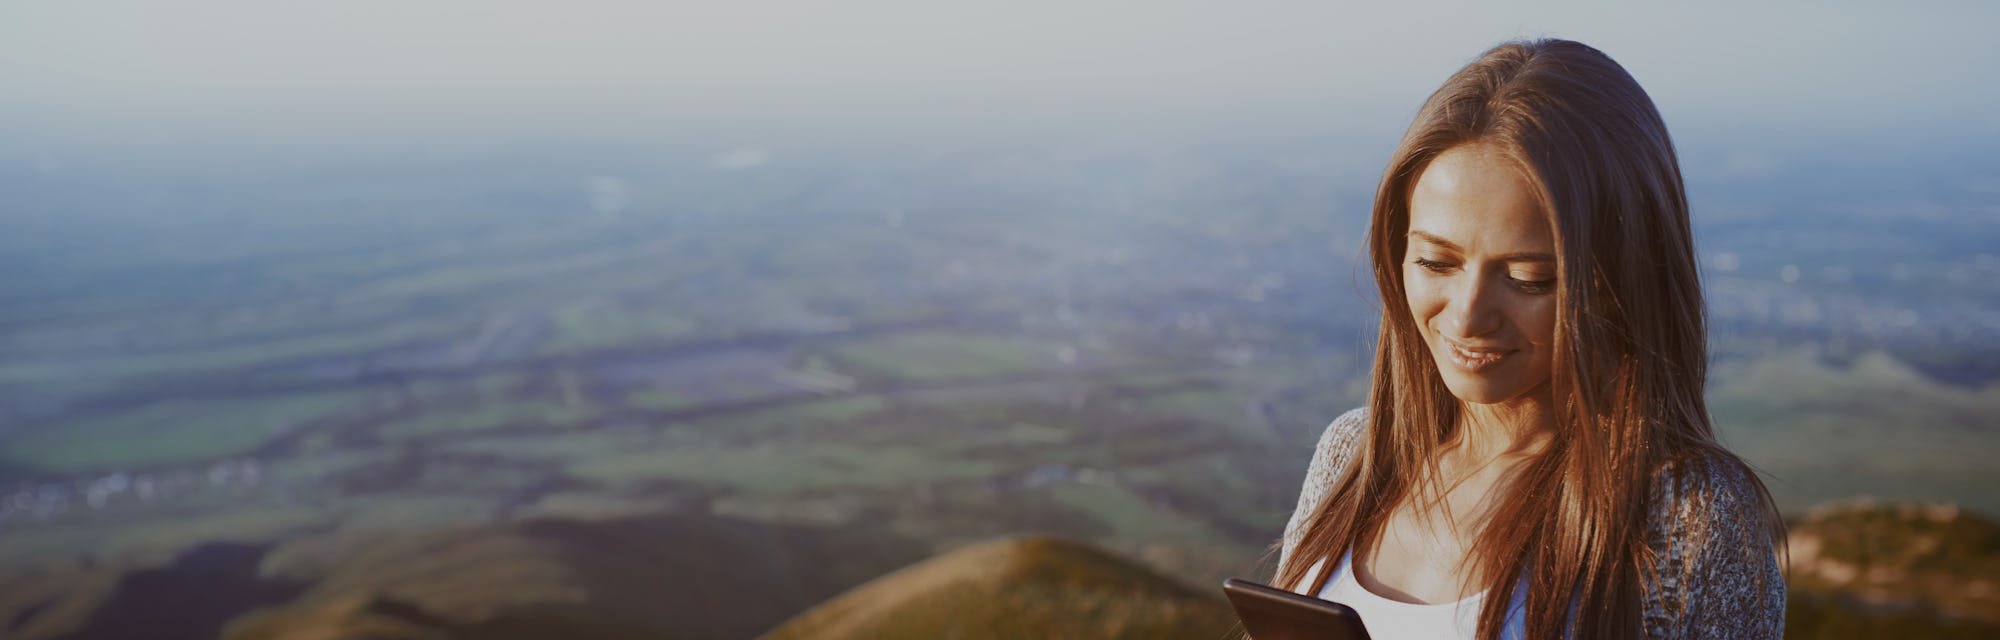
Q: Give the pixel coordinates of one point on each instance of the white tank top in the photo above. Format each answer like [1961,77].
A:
[1388,619]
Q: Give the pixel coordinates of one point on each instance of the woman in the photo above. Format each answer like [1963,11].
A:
[1535,459]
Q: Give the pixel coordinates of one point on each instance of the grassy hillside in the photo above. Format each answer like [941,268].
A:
[1861,570]
[1032,587]
[652,577]
[1858,571]
[1823,430]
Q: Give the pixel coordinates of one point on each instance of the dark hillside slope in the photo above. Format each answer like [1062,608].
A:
[1862,570]
[653,577]
[1033,587]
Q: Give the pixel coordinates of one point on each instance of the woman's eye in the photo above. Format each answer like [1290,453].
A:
[1533,286]
[1432,266]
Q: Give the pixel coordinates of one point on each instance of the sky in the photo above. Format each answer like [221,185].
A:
[303,69]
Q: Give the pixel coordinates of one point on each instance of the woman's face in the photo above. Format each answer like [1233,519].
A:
[1480,275]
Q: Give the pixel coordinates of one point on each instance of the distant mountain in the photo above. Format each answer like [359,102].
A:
[1862,570]
[1032,587]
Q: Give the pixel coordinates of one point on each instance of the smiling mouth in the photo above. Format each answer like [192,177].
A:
[1475,359]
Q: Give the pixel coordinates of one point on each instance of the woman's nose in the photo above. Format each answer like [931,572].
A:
[1471,311]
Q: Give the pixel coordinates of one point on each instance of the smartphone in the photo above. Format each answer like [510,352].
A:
[1275,614]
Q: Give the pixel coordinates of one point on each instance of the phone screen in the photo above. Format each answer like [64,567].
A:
[1275,614]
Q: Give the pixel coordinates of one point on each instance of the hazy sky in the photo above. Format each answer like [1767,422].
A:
[299,67]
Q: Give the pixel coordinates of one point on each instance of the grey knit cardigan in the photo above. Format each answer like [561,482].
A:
[1718,575]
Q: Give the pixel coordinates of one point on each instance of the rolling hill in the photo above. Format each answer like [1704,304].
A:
[1908,570]
[1030,587]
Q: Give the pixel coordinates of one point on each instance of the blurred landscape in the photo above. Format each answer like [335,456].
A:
[435,383]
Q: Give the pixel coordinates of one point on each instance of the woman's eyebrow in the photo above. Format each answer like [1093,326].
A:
[1436,241]
[1529,256]
[1524,256]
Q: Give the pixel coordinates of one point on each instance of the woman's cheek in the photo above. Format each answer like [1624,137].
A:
[1543,321]
[1422,299]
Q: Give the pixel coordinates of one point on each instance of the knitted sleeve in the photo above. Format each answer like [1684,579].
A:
[1330,461]
[1716,572]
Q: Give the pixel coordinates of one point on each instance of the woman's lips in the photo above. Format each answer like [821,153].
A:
[1475,359]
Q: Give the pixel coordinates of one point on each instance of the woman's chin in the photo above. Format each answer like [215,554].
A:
[1484,391]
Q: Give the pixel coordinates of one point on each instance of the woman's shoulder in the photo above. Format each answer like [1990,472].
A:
[1715,569]
[1338,441]
[1706,482]
[1330,461]
[1334,454]
[1705,499]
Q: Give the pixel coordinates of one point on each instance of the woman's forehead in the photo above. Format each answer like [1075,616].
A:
[1472,199]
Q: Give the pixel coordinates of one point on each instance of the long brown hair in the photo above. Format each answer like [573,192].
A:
[1631,359]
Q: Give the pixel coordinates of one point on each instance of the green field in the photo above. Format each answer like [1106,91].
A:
[797,417]
[203,359]
[582,327]
[486,415]
[934,356]
[780,469]
[169,432]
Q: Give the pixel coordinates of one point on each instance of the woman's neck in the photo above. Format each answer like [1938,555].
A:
[1523,426]
[1425,550]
